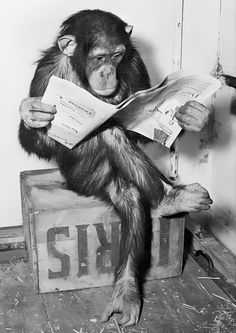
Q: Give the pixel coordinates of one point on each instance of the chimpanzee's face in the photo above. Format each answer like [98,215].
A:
[102,62]
[98,67]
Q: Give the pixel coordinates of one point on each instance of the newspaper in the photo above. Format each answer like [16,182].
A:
[149,112]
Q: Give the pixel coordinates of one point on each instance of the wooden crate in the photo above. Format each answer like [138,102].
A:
[73,241]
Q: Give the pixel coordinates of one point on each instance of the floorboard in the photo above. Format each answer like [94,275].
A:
[185,304]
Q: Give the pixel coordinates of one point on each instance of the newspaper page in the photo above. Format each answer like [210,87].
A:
[149,112]
[78,111]
[152,113]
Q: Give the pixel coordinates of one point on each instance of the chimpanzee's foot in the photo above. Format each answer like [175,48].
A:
[128,309]
[125,301]
[191,198]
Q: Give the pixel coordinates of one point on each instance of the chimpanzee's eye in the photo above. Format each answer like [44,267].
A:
[99,58]
[117,57]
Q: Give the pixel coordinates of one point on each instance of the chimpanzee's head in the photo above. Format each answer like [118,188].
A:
[97,43]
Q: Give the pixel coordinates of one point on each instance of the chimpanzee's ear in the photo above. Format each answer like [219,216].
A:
[129,29]
[67,45]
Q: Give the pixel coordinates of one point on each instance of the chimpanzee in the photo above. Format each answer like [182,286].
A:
[94,50]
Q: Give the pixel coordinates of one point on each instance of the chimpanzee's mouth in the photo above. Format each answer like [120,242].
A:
[104,92]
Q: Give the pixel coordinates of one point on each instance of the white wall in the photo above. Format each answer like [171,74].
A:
[30,26]
[209,40]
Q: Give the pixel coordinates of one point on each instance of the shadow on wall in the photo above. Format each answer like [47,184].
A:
[148,55]
[220,223]
[217,134]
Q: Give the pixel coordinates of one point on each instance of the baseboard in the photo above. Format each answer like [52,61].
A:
[223,260]
[12,238]
[12,244]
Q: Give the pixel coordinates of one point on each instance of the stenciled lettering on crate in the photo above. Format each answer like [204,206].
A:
[94,242]
[73,242]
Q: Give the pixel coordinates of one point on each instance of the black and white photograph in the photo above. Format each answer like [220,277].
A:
[118,166]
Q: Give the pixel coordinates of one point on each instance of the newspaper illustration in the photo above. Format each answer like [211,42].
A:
[149,112]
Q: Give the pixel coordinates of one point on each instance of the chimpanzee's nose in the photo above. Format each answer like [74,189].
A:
[108,71]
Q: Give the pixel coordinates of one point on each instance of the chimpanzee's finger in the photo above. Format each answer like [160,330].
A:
[194,210]
[41,116]
[196,187]
[202,207]
[196,105]
[187,127]
[107,313]
[207,201]
[37,124]
[42,107]
[193,108]
[34,103]
[201,193]
[125,319]
[187,118]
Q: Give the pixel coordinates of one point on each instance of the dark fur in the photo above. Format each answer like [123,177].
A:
[108,163]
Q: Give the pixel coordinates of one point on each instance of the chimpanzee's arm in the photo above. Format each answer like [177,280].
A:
[36,141]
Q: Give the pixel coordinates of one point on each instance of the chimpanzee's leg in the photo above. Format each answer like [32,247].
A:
[133,164]
[129,204]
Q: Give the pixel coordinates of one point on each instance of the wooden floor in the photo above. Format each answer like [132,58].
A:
[189,303]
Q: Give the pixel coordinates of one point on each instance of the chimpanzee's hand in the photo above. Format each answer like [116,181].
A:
[192,116]
[36,114]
